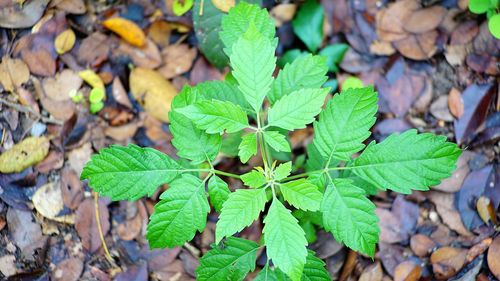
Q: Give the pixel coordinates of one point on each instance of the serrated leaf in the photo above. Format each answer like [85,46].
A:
[238,20]
[345,123]
[407,161]
[239,211]
[302,194]
[283,171]
[306,71]
[129,173]
[216,116]
[254,179]
[285,240]
[218,192]
[232,261]
[296,110]
[268,274]
[314,269]
[191,142]
[350,216]
[277,141]
[253,64]
[308,24]
[223,91]
[182,211]
[247,147]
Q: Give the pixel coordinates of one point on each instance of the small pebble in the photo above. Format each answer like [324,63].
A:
[38,129]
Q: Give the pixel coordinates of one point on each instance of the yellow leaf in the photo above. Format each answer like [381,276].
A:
[127,30]
[48,201]
[13,73]
[224,5]
[152,91]
[91,78]
[24,154]
[64,41]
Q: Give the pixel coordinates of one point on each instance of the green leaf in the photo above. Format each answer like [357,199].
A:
[283,171]
[267,274]
[306,71]
[350,216]
[296,110]
[129,173]
[254,179]
[247,147]
[479,6]
[345,123]
[181,8]
[334,55]
[182,211]
[218,192]
[407,161]
[253,64]
[223,91]
[315,270]
[352,82]
[232,261]
[230,143]
[285,240]
[239,211]
[207,25]
[302,194]
[191,142]
[277,141]
[238,20]
[308,24]
[289,56]
[494,25]
[216,116]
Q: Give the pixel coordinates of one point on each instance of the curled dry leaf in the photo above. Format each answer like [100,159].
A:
[486,210]
[86,225]
[119,93]
[407,271]
[48,201]
[178,59]
[127,29]
[59,87]
[65,41]
[447,261]
[494,257]
[28,152]
[91,78]
[159,31]
[13,73]
[478,249]
[147,56]
[152,91]
[455,103]
[424,20]
[421,245]
[223,5]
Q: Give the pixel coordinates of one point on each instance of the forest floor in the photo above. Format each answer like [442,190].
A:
[436,68]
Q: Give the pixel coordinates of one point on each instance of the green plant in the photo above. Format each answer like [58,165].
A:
[331,193]
[491,8]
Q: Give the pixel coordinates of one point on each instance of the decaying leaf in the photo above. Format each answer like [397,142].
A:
[447,261]
[40,62]
[407,271]
[13,73]
[65,41]
[152,91]
[71,6]
[494,257]
[22,16]
[178,59]
[59,87]
[421,245]
[486,210]
[91,78]
[24,154]
[86,225]
[48,201]
[224,5]
[148,56]
[127,30]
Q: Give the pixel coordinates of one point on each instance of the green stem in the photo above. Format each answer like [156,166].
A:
[226,174]
[303,175]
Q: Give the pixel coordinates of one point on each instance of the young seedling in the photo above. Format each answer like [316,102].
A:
[333,189]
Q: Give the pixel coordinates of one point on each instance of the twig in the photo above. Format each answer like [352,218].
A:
[99,229]
[26,109]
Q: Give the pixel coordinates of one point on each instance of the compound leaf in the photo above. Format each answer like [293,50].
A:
[350,216]
[223,91]
[277,141]
[283,171]
[253,64]
[296,110]
[218,192]
[215,116]
[129,172]
[285,240]
[247,147]
[241,208]
[304,72]
[345,123]
[254,179]
[182,211]
[232,261]
[407,161]
[302,194]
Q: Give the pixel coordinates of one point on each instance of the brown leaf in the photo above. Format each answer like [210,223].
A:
[390,21]
[439,108]
[178,59]
[382,48]
[447,261]
[22,16]
[72,6]
[120,94]
[478,249]
[282,13]
[86,225]
[48,201]
[349,265]
[494,257]
[122,133]
[445,206]
[60,87]
[40,62]
[455,103]
[372,273]
[147,56]
[13,73]
[62,110]
[407,271]
[94,49]
[424,20]
[159,31]
[71,188]
[130,228]
[486,210]
[68,270]
[421,245]
[203,71]
[418,46]
[26,233]
[464,33]
[454,182]
[78,157]
[53,161]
